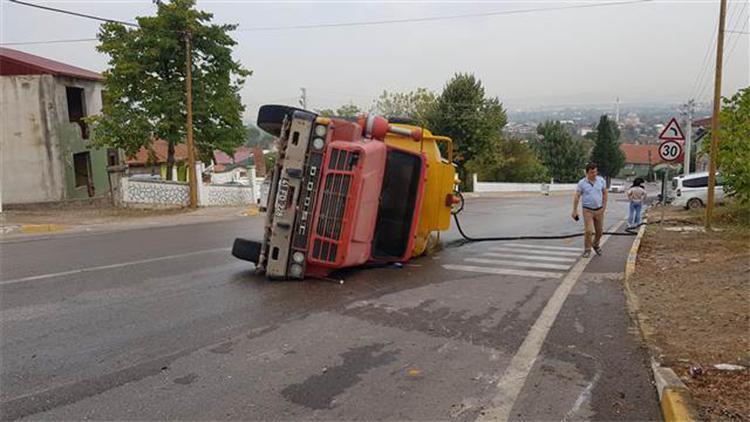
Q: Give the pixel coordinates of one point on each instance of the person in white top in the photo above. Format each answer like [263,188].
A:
[636,196]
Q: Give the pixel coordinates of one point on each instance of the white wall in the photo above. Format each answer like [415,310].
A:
[177,194]
[487,187]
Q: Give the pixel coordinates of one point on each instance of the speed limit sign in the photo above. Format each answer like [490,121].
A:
[670,150]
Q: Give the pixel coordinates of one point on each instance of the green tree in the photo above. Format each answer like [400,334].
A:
[607,153]
[510,160]
[472,120]
[563,156]
[256,137]
[347,111]
[145,84]
[734,145]
[415,105]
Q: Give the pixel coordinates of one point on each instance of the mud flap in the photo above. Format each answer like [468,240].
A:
[248,250]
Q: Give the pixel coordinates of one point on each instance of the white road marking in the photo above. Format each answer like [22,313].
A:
[111,266]
[512,381]
[552,248]
[530,258]
[519,263]
[503,271]
[535,252]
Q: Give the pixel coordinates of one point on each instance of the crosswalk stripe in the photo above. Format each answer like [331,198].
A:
[530,251]
[529,257]
[527,264]
[503,271]
[552,248]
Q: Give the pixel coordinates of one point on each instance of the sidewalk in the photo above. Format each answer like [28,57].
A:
[16,224]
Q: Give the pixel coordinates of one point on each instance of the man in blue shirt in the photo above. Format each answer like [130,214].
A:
[592,193]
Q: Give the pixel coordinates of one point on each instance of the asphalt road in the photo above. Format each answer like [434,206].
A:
[165,324]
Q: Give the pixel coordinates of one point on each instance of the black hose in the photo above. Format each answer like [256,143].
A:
[499,238]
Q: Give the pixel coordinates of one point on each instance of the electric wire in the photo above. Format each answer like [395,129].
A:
[438,18]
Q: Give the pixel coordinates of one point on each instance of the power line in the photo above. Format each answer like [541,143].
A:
[69,12]
[437,18]
[704,85]
[740,32]
[50,41]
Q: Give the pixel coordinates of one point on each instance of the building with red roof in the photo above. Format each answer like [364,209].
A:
[639,160]
[47,153]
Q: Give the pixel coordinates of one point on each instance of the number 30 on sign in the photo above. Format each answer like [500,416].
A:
[670,150]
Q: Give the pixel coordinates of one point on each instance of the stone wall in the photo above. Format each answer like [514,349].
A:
[228,195]
[170,194]
[155,193]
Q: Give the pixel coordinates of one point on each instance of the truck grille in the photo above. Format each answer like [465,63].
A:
[324,250]
[333,205]
[336,189]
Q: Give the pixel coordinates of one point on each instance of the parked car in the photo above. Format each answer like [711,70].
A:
[691,191]
[617,186]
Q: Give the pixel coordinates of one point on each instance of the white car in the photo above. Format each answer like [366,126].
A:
[691,191]
[617,187]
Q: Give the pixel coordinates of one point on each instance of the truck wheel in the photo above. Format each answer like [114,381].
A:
[271,117]
[248,250]
[694,203]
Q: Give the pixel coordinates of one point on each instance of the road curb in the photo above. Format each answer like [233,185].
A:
[674,397]
[633,254]
[41,228]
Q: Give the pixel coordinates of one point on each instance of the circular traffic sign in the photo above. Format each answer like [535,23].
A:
[670,150]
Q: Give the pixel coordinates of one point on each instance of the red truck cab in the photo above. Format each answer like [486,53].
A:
[339,195]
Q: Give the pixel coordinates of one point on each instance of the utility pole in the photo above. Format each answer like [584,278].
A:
[303,98]
[715,116]
[688,109]
[192,176]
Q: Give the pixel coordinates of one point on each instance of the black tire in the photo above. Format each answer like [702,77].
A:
[271,117]
[247,250]
[694,203]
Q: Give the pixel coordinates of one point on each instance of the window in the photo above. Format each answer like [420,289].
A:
[77,108]
[81,165]
[698,182]
[112,157]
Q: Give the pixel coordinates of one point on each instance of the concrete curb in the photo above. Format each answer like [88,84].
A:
[633,255]
[41,228]
[674,397]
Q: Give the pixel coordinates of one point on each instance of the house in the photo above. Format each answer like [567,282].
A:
[153,160]
[232,169]
[639,160]
[45,144]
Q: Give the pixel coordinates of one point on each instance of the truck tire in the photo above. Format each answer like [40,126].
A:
[271,117]
[247,250]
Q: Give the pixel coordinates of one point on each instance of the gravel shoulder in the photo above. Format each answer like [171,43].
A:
[693,289]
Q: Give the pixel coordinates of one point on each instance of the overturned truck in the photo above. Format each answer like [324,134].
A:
[345,192]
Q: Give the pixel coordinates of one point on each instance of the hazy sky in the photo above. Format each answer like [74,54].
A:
[644,52]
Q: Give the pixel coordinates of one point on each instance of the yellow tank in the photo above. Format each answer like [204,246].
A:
[441,178]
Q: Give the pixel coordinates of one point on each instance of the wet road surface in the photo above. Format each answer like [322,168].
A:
[165,324]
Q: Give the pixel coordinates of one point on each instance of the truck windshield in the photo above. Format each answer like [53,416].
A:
[397,204]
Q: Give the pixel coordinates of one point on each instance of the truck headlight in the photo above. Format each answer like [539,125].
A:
[298,257]
[318,144]
[321,130]
[295,270]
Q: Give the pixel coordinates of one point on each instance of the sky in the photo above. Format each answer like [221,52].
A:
[656,52]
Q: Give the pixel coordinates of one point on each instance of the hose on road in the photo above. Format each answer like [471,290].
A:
[503,238]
